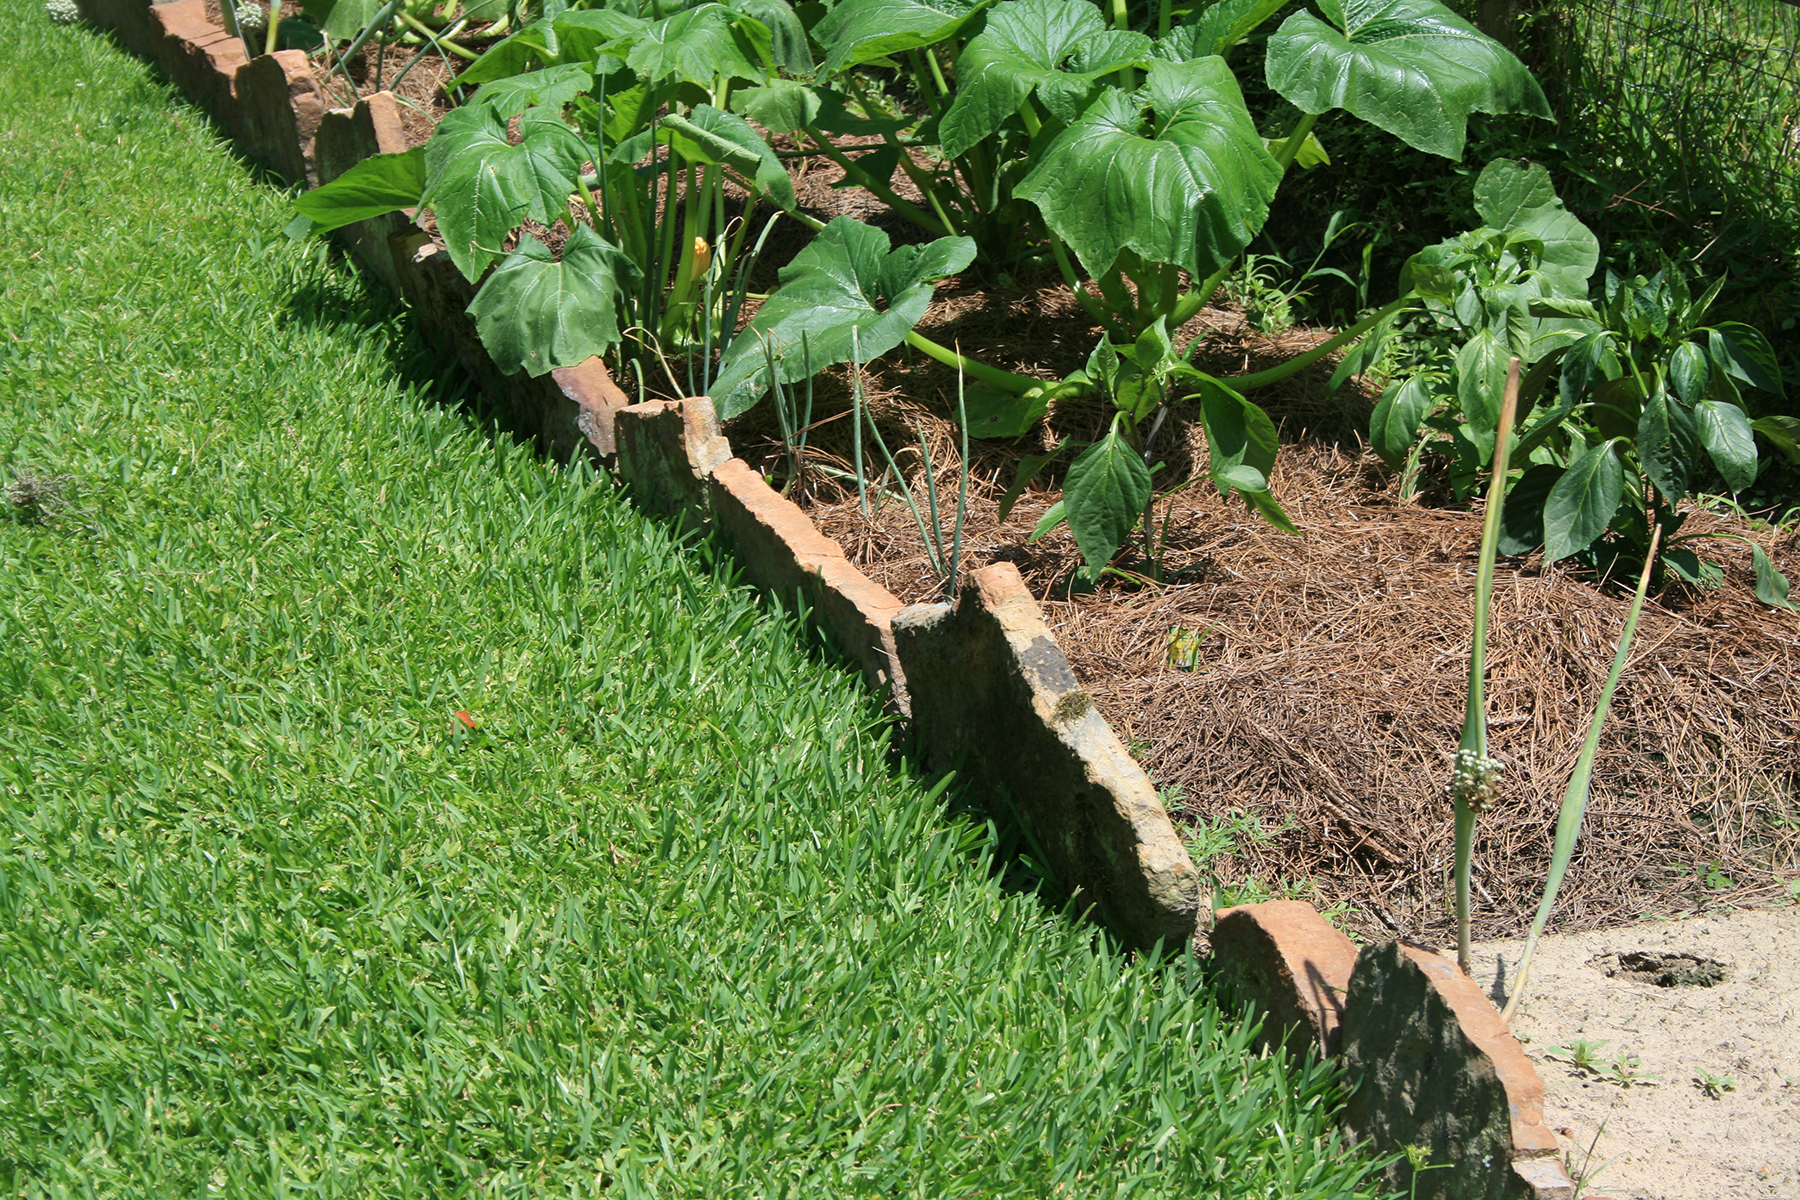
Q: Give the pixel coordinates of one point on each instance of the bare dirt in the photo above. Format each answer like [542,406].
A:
[1693,1092]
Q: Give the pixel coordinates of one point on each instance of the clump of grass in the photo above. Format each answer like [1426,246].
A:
[388,812]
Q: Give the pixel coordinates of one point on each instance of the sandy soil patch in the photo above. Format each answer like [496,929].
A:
[1722,1117]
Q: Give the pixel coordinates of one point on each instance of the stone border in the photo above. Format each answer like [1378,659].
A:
[987,689]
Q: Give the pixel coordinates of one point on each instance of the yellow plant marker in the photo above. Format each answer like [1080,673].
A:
[1184,647]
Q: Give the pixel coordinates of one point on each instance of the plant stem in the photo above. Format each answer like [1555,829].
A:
[1121,19]
[1006,381]
[1276,374]
[1295,140]
[879,190]
[1089,305]
[1474,735]
[461,51]
[1574,805]
[921,179]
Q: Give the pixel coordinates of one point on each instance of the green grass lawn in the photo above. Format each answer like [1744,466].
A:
[274,921]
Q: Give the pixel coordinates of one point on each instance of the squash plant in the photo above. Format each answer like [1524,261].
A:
[630,114]
[1130,157]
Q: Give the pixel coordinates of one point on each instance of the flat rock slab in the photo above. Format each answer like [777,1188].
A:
[1289,962]
[1433,1066]
[1643,1110]
[993,696]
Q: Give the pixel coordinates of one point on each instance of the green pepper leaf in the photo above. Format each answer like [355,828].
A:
[996,414]
[1411,67]
[1052,47]
[535,314]
[1667,444]
[1394,425]
[1582,501]
[1104,495]
[1725,432]
[1238,434]
[846,278]
[1522,516]
[1771,584]
[1783,432]
[1189,190]
[1742,352]
[372,187]
[1480,380]
[480,186]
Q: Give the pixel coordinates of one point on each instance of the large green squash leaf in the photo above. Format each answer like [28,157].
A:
[1520,198]
[480,186]
[1057,48]
[1582,501]
[550,88]
[1215,29]
[860,31]
[698,43]
[1176,171]
[787,36]
[1411,67]
[846,279]
[535,314]
[372,187]
[1103,497]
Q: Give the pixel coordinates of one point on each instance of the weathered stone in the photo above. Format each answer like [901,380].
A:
[347,136]
[198,57]
[1434,1066]
[782,553]
[991,691]
[279,110]
[130,19]
[598,403]
[1292,965]
[667,449]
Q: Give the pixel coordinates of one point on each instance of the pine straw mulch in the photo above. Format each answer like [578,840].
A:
[1328,690]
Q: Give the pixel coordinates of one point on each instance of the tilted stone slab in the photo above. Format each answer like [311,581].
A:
[1292,965]
[784,554]
[667,451]
[279,109]
[198,57]
[347,136]
[130,19]
[991,691]
[1434,1065]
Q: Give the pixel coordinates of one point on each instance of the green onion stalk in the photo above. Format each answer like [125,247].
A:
[1574,805]
[1474,775]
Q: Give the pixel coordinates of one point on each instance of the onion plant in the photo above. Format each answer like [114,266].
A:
[1575,798]
[1474,774]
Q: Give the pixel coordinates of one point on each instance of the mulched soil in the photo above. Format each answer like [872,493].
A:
[1328,688]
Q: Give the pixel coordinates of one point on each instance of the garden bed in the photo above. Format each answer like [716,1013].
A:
[1305,750]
